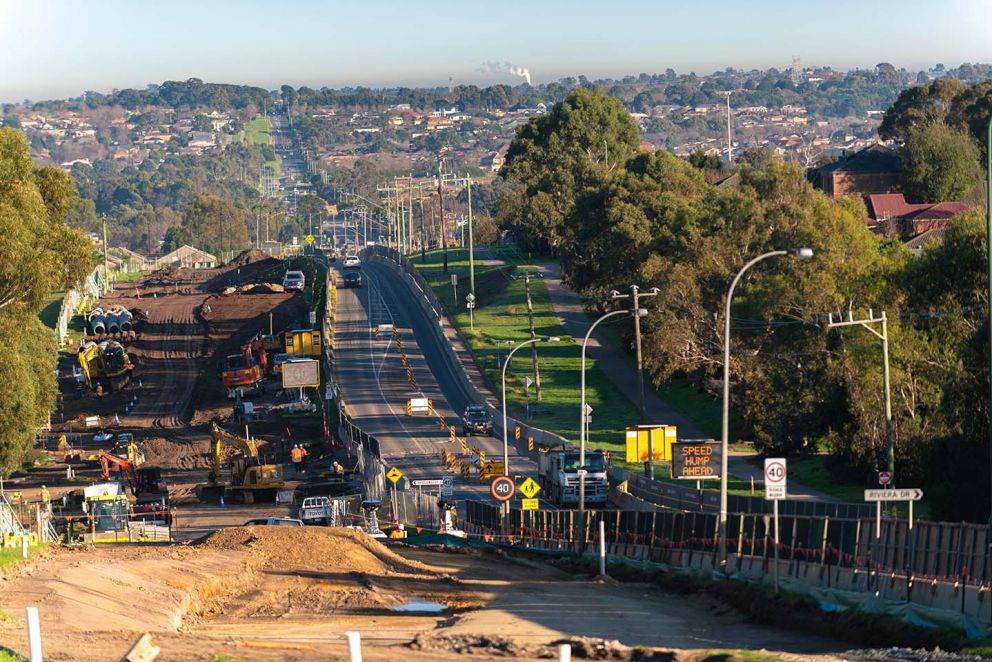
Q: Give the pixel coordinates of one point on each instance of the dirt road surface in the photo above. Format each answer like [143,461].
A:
[280,593]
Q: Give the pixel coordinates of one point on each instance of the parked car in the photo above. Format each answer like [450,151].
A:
[294,280]
[273,521]
[477,419]
[353,279]
[352,262]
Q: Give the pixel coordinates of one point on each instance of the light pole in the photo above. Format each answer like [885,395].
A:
[638,313]
[506,452]
[802,254]
[988,254]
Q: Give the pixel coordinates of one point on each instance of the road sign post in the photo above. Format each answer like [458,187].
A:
[775,490]
[908,494]
[470,302]
[394,476]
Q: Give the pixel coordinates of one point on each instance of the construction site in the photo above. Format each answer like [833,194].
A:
[196,411]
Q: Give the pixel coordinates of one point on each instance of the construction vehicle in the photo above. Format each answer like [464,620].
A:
[106,364]
[247,369]
[251,480]
[559,476]
[107,506]
[151,492]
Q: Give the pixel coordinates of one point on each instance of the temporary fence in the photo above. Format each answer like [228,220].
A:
[73,299]
[685,498]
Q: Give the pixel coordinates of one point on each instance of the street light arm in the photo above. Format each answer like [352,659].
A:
[582,388]
[506,452]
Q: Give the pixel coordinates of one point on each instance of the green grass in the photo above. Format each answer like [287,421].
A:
[259,132]
[49,315]
[501,314]
[814,472]
[7,656]
[9,556]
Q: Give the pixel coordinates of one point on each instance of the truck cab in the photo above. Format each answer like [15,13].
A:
[559,475]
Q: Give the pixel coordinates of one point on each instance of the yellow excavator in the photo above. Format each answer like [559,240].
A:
[251,480]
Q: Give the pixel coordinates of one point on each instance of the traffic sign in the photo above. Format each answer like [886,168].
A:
[529,504]
[470,298]
[427,482]
[394,475]
[884,478]
[529,488]
[309,239]
[775,478]
[502,488]
[587,410]
[447,486]
[904,494]
[696,460]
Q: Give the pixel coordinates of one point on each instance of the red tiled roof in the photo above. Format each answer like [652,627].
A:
[893,206]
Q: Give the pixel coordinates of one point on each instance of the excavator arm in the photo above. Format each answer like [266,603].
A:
[223,439]
[126,467]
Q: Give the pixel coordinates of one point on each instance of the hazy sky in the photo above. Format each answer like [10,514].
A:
[59,48]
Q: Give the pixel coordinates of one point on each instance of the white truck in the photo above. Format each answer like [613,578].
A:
[559,477]
[316,510]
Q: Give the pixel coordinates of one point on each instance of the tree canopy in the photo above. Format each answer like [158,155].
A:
[40,255]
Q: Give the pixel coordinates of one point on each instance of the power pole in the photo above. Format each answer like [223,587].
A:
[440,202]
[106,257]
[471,242]
[533,336]
[730,145]
[867,324]
[635,297]
[423,233]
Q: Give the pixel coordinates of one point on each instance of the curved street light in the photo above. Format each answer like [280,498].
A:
[506,453]
[802,254]
[641,312]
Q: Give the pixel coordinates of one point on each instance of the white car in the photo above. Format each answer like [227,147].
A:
[273,521]
[352,262]
[294,280]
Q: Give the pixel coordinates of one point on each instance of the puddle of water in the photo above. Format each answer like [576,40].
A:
[420,606]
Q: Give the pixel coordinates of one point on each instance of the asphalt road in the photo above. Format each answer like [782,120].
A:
[375,389]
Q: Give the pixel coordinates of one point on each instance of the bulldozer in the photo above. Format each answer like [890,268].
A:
[251,480]
[106,363]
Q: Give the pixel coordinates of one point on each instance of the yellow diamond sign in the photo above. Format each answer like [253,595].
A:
[529,488]
[394,475]
[309,239]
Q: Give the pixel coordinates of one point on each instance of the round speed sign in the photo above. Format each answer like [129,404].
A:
[502,488]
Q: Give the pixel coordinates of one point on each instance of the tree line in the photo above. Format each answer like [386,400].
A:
[613,215]
[40,255]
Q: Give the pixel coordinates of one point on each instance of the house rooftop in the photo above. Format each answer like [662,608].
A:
[874,158]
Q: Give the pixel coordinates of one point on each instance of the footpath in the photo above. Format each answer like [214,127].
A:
[622,372]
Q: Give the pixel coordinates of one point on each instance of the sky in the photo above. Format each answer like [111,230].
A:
[60,48]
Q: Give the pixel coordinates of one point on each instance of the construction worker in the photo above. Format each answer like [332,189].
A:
[296,455]
[46,500]
[338,469]
[303,456]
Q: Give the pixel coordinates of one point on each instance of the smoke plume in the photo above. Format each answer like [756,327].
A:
[505,68]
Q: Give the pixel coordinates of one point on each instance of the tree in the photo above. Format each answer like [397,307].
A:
[915,106]
[559,154]
[940,163]
[40,255]
[214,225]
[703,161]
[175,237]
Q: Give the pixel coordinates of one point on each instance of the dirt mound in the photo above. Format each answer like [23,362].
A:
[341,550]
[249,256]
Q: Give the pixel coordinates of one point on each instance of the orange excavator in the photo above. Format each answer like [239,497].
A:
[246,369]
[150,490]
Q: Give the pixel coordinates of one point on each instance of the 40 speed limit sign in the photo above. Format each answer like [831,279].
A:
[502,488]
[775,478]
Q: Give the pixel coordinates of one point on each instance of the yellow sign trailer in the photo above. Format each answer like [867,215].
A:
[303,342]
[661,438]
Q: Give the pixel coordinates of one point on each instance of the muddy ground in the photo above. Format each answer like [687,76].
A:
[280,593]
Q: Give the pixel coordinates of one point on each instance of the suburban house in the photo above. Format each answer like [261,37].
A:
[874,169]
[186,256]
[890,214]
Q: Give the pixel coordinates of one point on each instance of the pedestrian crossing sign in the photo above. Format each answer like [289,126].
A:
[529,488]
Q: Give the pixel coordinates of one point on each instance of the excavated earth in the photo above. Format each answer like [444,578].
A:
[288,593]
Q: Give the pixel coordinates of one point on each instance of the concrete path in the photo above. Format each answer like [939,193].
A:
[622,371]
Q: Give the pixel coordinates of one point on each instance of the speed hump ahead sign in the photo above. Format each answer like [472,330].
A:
[502,488]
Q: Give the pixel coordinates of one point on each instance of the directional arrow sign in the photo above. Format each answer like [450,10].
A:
[529,488]
[904,494]
[427,482]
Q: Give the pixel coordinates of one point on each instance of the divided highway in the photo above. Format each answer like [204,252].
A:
[374,386]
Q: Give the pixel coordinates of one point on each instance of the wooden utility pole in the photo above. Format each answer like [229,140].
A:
[533,336]
[440,202]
